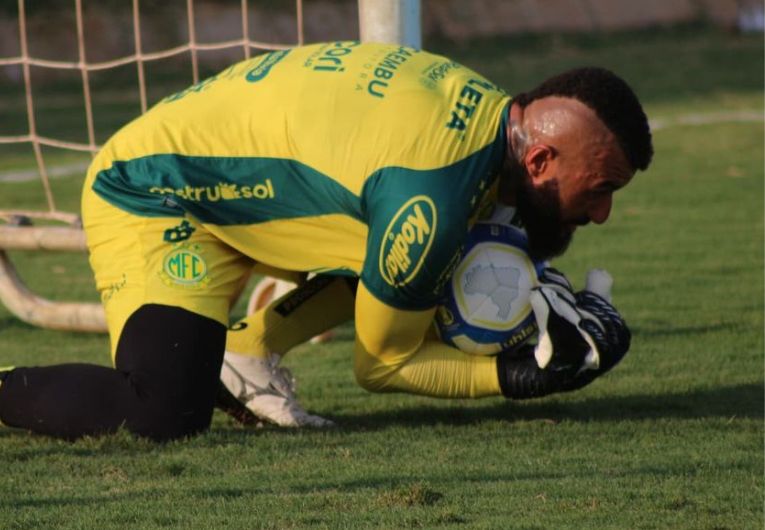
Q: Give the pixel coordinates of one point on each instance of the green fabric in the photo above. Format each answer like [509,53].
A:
[223,190]
[394,201]
[436,205]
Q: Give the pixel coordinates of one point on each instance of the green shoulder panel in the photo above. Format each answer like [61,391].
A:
[418,220]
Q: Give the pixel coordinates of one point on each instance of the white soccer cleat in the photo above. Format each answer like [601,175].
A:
[267,389]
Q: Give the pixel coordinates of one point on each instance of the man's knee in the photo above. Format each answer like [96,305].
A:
[172,358]
[165,418]
[371,374]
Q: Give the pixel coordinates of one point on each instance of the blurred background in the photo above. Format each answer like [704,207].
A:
[545,28]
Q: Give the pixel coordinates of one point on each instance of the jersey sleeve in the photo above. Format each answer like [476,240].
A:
[416,230]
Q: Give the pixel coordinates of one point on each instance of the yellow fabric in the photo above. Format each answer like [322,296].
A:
[336,241]
[394,355]
[403,362]
[366,159]
[310,309]
[298,111]
[391,353]
[291,157]
[134,265]
[434,369]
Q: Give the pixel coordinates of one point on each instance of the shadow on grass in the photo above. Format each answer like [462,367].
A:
[737,401]
[743,401]
[11,323]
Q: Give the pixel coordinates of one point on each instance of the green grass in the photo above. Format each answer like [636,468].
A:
[673,438]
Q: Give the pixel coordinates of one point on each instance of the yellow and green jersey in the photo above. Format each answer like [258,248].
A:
[348,158]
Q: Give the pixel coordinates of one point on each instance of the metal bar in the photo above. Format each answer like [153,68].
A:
[31,108]
[192,40]
[139,55]
[38,311]
[390,21]
[85,76]
[61,238]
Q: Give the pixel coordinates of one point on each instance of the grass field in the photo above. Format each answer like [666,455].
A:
[673,438]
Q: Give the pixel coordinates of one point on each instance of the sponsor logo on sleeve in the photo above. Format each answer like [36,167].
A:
[436,72]
[407,240]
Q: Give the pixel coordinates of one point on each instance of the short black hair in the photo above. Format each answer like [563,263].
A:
[613,101]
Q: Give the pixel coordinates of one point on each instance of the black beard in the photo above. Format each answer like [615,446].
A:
[540,212]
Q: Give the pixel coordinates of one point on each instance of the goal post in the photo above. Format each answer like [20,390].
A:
[392,21]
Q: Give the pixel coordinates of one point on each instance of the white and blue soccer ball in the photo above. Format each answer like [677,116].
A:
[486,306]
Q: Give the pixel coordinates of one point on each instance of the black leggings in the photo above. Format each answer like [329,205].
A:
[163,387]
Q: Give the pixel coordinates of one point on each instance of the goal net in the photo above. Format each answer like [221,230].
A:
[65,95]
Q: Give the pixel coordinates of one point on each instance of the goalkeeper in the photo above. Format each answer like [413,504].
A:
[351,160]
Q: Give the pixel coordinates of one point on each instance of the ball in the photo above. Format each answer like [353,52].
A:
[486,308]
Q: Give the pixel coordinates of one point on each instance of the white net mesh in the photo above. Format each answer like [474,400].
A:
[38,75]
[79,73]
[74,79]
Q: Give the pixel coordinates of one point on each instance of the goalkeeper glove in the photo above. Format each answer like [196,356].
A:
[577,330]
[581,336]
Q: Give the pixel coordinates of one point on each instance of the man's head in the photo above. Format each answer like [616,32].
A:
[574,141]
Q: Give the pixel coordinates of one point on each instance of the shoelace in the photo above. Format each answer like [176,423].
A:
[283,376]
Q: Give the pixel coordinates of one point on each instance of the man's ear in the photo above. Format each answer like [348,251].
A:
[538,159]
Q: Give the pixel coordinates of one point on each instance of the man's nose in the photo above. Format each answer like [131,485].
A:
[600,210]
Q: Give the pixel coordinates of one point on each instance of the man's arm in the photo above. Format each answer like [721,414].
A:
[392,354]
[583,337]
